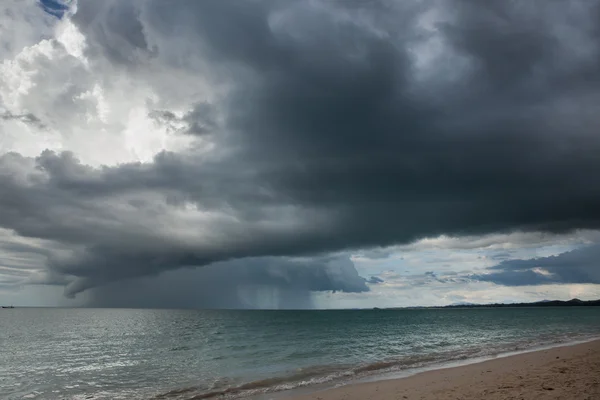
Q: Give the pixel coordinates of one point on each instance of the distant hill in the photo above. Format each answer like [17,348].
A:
[543,303]
[462,304]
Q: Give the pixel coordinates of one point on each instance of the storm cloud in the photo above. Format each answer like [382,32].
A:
[308,128]
[250,283]
[575,266]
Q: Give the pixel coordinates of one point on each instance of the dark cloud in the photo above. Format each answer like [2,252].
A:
[330,116]
[376,254]
[447,277]
[251,283]
[576,266]
[501,256]
[335,133]
[113,30]
[374,280]
[199,121]
[27,118]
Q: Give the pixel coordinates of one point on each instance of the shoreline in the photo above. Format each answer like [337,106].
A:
[376,375]
[565,370]
[469,361]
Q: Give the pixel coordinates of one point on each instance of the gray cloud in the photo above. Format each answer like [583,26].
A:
[333,132]
[501,255]
[21,26]
[429,279]
[28,118]
[576,266]
[200,120]
[252,283]
[374,280]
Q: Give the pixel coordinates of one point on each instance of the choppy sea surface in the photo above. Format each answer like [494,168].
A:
[51,353]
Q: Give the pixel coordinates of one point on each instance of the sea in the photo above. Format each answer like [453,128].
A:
[54,353]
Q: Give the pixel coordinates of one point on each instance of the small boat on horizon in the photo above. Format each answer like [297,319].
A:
[8,306]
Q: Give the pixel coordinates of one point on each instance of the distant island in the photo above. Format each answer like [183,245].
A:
[543,303]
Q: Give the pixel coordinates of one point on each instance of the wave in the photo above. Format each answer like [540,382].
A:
[342,374]
[304,377]
[221,388]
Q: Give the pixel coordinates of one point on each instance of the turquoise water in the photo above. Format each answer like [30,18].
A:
[173,354]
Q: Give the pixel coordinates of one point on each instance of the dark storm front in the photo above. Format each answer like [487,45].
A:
[118,354]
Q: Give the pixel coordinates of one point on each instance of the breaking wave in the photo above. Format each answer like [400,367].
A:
[338,375]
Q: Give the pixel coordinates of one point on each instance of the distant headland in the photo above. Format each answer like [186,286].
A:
[542,303]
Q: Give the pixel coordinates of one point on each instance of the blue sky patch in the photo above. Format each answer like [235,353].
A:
[54,7]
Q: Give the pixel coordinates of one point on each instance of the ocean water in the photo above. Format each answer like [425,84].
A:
[176,354]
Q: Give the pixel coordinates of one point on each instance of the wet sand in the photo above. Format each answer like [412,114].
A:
[569,373]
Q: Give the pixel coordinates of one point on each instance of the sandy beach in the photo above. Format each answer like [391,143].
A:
[569,373]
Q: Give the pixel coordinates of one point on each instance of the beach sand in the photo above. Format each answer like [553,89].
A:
[569,372]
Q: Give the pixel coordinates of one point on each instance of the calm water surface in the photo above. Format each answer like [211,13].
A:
[173,354]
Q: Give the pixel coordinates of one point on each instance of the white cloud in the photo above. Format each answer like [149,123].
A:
[85,105]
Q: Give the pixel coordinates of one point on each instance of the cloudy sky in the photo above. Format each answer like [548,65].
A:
[298,154]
